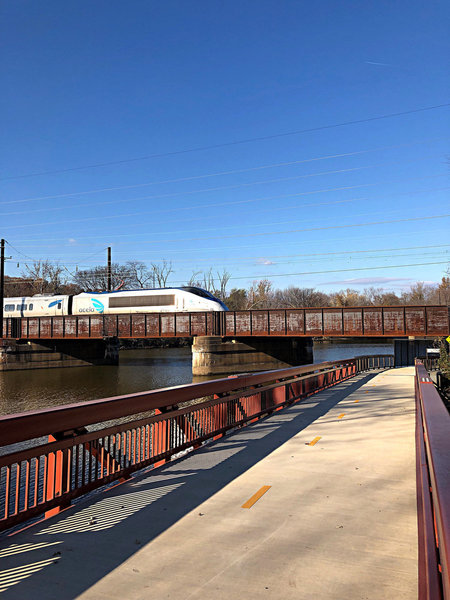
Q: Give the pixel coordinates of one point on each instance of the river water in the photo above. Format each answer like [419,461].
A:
[139,370]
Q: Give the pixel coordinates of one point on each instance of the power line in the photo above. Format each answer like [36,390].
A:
[142,213]
[227,203]
[303,259]
[213,189]
[265,276]
[228,144]
[229,172]
[277,256]
[327,253]
[259,199]
[271,276]
[35,260]
[270,233]
[173,194]
[436,233]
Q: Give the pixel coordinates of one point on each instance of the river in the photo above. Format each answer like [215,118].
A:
[139,370]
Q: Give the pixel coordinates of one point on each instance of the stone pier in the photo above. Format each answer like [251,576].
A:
[214,355]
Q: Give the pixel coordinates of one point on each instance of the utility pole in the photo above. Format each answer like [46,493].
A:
[2,283]
[108,271]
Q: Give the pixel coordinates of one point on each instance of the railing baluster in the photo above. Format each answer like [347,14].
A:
[7,490]
[70,463]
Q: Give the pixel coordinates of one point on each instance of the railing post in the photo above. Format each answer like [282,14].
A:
[159,439]
[56,476]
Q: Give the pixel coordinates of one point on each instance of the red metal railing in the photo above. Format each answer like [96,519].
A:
[433,488]
[43,476]
[369,321]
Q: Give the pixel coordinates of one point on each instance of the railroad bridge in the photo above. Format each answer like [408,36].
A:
[225,342]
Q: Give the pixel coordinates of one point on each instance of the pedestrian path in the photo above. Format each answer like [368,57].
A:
[317,501]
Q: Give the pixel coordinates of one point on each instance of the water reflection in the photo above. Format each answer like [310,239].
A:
[139,370]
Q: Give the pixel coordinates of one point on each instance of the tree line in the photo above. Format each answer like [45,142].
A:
[43,277]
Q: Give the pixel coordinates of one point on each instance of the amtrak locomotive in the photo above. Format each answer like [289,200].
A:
[184,299]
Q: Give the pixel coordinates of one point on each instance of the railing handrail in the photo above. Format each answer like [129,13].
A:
[435,432]
[37,423]
[44,476]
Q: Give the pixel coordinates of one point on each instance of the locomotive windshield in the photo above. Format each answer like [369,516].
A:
[199,292]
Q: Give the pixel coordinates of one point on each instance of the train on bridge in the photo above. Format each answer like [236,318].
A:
[163,300]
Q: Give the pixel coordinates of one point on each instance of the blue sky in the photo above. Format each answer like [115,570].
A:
[89,83]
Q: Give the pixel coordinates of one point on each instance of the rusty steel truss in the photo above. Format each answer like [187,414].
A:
[394,321]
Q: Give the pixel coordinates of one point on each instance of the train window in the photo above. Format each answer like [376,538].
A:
[59,305]
[30,307]
[134,301]
[9,307]
[21,307]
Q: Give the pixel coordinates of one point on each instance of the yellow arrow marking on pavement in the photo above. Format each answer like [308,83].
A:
[340,416]
[251,501]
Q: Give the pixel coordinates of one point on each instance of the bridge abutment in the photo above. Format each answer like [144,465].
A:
[21,355]
[214,355]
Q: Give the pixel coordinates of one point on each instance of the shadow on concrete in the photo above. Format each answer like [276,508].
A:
[62,557]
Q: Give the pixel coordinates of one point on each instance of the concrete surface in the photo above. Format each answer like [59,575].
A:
[214,355]
[339,520]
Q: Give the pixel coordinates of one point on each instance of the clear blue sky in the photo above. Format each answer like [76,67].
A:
[92,82]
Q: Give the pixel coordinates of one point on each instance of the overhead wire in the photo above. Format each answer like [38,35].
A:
[269,262]
[232,143]
[306,229]
[213,189]
[273,275]
[436,233]
[301,255]
[217,188]
[141,213]
[296,194]
[266,276]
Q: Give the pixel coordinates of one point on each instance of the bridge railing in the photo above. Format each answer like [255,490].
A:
[433,488]
[349,321]
[43,474]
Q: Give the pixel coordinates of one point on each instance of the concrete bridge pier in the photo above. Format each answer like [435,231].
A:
[215,355]
[18,355]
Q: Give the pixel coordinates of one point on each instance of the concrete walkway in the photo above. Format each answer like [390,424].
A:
[338,521]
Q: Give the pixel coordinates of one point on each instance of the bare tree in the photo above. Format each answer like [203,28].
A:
[194,279]
[140,276]
[223,278]
[347,297]
[18,286]
[295,297]
[208,281]
[161,272]
[260,294]
[96,279]
[45,277]
[419,293]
